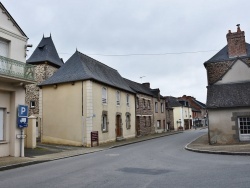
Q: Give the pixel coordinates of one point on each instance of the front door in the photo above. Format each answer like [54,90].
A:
[118,126]
[137,126]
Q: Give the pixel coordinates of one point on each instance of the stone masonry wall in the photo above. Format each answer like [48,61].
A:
[42,72]
[144,110]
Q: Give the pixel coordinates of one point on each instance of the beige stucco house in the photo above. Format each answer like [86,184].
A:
[14,75]
[182,113]
[228,91]
[83,96]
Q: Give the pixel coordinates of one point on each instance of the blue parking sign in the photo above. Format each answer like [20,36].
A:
[22,111]
[22,116]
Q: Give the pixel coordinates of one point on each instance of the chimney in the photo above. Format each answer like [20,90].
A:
[236,43]
[147,84]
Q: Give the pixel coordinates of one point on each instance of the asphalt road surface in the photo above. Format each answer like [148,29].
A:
[161,162]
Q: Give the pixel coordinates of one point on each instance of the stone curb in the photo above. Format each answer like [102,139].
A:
[213,152]
[23,164]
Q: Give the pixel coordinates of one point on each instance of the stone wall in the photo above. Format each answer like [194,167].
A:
[144,111]
[42,72]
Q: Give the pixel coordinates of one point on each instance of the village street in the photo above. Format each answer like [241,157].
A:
[161,162]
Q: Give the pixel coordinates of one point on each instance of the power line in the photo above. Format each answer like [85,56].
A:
[151,54]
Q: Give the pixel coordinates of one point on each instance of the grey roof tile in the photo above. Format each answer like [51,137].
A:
[222,55]
[81,67]
[228,95]
[45,51]
[139,88]
[172,101]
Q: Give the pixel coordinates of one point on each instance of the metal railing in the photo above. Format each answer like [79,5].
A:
[13,68]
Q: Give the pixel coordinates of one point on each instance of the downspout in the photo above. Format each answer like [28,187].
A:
[82,118]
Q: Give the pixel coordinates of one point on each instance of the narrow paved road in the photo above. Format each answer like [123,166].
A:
[161,162]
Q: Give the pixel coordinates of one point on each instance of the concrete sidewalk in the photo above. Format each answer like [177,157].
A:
[45,152]
[201,145]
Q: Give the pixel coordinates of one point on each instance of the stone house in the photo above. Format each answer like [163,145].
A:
[47,62]
[169,115]
[228,91]
[199,111]
[84,96]
[159,111]
[14,75]
[144,108]
[182,113]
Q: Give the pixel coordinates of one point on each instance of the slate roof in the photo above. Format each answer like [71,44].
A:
[139,88]
[200,103]
[45,51]
[222,55]
[82,67]
[228,95]
[173,102]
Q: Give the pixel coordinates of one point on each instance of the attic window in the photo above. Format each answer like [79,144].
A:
[41,47]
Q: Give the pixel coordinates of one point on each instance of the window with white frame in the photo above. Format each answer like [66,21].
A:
[156,107]
[128,122]
[32,104]
[118,98]
[127,99]
[104,95]
[2,124]
[104,121]
[162,107]
[244,125]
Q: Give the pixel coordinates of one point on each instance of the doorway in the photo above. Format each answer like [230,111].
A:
[118,126]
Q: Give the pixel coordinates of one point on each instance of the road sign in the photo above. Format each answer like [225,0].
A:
[22,122]
[22,111]
[22,116]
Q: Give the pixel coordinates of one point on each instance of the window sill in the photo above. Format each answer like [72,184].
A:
[104,131]
[4,142]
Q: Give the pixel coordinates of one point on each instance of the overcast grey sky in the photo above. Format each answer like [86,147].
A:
[116,27]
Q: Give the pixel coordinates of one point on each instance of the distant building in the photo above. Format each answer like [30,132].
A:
[228,91]
[182,113]
[199,111]
[14,75]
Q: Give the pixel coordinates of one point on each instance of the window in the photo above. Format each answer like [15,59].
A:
[158,125]
[149,121]
[104,95]
[156,107]
[149,105]
[32,104]
[118,98]
[162,107]
[4,48]
[144,103]
[145,121]
[1,124]
[244,125]
[128,125]
[137,102]
[104,121]
[127,99]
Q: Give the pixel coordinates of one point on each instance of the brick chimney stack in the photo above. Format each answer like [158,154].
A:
[147,84]
[236,43]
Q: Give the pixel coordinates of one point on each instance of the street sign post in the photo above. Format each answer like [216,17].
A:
[22,116]
[22,122]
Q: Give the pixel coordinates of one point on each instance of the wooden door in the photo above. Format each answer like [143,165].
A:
[118,126]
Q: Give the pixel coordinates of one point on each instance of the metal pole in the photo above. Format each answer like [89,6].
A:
[21,143]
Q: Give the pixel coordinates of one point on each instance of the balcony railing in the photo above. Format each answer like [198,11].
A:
[13,68]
